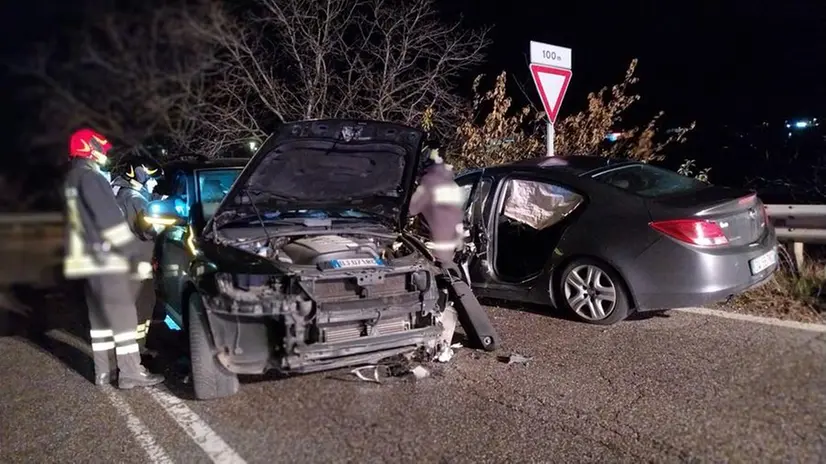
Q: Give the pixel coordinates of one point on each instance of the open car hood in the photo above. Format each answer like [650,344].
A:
[329,165]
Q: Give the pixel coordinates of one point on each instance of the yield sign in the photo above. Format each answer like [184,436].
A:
[551,83]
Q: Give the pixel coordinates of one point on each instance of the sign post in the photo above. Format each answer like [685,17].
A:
[551,70]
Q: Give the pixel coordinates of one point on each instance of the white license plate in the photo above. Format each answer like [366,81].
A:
[763,262]
[355,262]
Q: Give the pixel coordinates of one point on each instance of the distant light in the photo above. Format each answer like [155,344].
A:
[788,125]
[801,124]
[613,136]
[253,145]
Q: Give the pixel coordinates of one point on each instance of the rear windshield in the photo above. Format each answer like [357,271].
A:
[649,181]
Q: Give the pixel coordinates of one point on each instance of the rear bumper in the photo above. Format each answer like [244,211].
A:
[671,275]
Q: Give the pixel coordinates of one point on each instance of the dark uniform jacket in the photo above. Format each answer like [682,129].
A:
[440,202]
[98,240]
[132,202]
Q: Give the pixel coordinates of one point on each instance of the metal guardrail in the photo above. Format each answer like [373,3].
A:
[41,233]
[31,218]
[799,223]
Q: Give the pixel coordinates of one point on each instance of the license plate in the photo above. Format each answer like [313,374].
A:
[763,262]
[355,262]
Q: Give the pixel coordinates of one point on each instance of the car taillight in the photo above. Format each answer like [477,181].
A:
[693,231]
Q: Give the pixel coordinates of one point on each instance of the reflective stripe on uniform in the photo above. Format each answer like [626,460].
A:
[448,195]
[118,235]
[451,245]
[125,336]
[101,333]
[82,266]
[143,271]
[127,349]
[103,346]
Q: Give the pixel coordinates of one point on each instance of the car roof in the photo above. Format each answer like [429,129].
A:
[191,164]
[576,165]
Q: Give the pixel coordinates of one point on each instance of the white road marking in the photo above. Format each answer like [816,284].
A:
[213,445]
[140,433]
[201,433]
[812,327]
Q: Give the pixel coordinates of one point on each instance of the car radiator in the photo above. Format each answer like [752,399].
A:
[348,310]
[352,331]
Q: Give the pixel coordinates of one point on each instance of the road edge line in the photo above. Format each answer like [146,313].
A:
[808,326]
[198,430]
[140,432]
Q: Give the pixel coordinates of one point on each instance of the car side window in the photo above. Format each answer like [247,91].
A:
[180,188]
[538,204]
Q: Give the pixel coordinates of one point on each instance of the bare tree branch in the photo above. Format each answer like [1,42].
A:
[132,75]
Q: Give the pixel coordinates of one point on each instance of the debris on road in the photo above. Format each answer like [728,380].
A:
[515,358]
[420,372]
[394,367]
[372,370]
[447,353]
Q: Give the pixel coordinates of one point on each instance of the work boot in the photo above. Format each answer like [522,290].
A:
[141,378]
[105,378]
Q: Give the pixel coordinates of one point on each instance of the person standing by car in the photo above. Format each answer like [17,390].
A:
[134,192]
[439,200]
[100,248]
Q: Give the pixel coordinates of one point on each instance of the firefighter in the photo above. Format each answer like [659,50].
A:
[100,248]
[133,192]
[440,201]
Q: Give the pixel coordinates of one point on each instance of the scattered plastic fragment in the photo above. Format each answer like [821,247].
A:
[448,352]
[420,372]
[373,371]
[515,358]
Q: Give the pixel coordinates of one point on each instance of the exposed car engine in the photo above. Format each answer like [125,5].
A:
[320,248]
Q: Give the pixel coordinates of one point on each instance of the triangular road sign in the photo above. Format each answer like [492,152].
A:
[551,83]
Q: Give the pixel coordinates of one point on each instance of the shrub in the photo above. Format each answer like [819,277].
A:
[491,132]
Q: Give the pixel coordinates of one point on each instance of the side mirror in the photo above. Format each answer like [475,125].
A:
[164,213]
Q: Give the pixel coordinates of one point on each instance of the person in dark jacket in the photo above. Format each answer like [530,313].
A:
[101,249]
[133,194]
[440,201]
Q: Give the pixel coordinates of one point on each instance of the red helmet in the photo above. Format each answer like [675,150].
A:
[86,143]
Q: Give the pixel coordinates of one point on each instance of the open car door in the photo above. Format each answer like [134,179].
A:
[472,258]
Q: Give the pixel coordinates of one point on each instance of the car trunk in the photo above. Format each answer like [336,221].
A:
[739,214]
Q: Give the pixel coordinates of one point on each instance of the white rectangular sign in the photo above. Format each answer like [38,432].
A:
[551,55]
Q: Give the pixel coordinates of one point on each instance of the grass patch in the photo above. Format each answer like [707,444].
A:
[794,295]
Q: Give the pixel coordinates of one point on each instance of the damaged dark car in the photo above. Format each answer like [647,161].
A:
[304,265]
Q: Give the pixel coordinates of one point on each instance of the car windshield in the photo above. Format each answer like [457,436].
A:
[213,186]
[649,181]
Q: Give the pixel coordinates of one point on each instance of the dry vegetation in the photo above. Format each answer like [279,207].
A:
[795,294]
[492,132]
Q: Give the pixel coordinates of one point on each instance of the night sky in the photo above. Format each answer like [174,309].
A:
[724,61]
[735,62]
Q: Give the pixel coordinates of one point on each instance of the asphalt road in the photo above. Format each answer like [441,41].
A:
[682,387]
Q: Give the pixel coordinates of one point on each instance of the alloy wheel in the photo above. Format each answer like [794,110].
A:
[590,292]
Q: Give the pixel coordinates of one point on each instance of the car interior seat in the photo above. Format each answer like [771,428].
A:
[212,192]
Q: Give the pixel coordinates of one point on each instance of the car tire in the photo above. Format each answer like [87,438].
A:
[595,293]
[210,379]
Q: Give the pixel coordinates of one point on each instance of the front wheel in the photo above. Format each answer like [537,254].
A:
[593,292]
[210,379]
